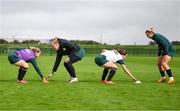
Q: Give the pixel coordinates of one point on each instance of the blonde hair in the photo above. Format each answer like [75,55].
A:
[35,49]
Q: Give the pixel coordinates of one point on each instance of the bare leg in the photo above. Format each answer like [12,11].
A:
[166,59]
[22,71]
[161,70]
[110,65]
[22,63]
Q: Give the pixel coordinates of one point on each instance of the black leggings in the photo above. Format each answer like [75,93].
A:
[68,65]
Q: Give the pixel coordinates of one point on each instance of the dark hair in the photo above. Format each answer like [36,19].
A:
[122,51]
[55,40]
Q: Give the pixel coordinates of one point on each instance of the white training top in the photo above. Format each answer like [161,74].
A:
[112,55]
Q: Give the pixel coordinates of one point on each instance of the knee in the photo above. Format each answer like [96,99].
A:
[164,64]
[66,63]
[26,65]
[114,67]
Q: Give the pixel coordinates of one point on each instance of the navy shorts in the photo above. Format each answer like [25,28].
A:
[13,58]
[100,60]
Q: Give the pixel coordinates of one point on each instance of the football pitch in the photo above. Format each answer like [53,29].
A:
[89,93]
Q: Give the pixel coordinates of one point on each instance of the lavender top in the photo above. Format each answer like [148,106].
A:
[29,56]
[26,54]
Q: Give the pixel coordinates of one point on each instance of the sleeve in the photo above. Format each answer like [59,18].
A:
[33,62]
[159,50]
[120,62]
[166,48]
[164,45]
[57,62]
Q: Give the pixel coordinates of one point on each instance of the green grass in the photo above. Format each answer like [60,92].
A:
[89,93]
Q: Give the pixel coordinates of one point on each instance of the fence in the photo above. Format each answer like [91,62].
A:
[131,51]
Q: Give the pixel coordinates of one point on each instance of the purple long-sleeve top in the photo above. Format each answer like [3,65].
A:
[29,56]
[26,54]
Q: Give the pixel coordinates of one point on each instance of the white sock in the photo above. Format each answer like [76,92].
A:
[75,78]
[171,78]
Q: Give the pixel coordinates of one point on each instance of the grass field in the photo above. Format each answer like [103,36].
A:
[89,93]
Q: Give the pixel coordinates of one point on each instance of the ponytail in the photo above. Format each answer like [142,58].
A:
[122,51]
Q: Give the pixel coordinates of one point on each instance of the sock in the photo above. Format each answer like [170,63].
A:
[70,69]
[105,72]
[111,74]
[171,78]
[22,72]
[162,73]
[169,72]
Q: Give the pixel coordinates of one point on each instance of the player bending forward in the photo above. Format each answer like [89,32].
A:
[74,53]
[107,59]
[165,53]
[21,58]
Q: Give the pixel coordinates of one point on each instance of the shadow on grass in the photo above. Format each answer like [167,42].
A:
[86,81]
[14,81]
[9,81]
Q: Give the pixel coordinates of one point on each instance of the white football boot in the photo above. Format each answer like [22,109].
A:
[73,80]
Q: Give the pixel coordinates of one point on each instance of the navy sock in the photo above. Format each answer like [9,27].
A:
[169,72]
[22,72]
[105,72]
[111,74]
[162,73]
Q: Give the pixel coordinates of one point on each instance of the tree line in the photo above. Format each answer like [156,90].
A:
[173,42]
[90,42]
[2,41]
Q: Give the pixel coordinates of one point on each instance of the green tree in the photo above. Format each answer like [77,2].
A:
[2,41]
